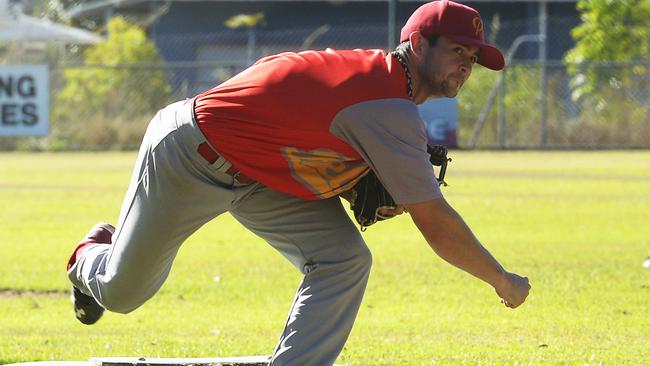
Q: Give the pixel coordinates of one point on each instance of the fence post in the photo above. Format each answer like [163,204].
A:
[543,83]
[501,127]
[392,20]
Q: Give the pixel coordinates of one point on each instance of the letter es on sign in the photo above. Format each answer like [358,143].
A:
[24,100]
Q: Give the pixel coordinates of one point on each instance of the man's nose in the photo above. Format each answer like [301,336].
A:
[466,67]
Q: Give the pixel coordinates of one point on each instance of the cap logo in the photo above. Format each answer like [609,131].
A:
[478,25]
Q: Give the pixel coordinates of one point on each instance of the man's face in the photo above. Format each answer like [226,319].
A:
[446,66]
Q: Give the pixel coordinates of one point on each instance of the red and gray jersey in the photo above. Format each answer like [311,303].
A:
[312,123]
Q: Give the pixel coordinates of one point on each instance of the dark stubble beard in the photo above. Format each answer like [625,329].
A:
[451,92]
[439,87]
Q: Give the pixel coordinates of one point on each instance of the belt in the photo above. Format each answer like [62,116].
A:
[211,156]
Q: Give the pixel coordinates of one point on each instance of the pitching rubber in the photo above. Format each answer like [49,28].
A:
[142,361]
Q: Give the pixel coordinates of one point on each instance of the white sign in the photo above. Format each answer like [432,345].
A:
[24,100]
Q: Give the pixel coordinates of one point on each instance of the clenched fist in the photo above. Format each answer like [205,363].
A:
[513,290]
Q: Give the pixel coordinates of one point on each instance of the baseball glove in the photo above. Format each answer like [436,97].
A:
[368,198]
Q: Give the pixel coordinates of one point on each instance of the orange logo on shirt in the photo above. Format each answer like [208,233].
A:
[324,172]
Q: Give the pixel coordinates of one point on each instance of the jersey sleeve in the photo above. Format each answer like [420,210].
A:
[390,136]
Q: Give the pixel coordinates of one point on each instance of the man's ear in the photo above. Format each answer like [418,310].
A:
[418,43]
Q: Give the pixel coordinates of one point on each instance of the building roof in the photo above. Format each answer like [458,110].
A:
[15,26]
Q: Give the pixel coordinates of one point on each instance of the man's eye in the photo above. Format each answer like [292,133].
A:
[473,59]
[458,50]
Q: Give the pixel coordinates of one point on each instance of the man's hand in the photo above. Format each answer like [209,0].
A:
[391,212]
[514,290]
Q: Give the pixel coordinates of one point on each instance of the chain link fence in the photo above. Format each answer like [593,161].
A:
[510,111]
[615,115]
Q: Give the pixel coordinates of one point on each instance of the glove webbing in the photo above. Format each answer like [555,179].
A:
[438,157]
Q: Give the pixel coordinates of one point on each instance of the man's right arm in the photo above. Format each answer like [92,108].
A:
[450,237]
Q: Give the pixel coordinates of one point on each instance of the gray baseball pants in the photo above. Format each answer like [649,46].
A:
[174,191]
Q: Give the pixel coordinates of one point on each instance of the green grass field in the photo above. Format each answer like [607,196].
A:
[576,223]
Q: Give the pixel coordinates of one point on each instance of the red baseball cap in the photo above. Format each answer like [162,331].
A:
[457,22]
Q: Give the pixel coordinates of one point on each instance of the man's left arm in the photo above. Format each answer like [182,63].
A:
[450,237]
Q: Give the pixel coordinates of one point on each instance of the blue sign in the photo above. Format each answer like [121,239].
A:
[440,117]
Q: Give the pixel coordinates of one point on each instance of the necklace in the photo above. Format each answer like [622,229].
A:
[409,82]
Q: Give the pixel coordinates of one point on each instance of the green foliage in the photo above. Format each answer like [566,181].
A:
[121,80]
[610,87]
[615,119]
[614,116]
[520,102]
[245,20]
[611,31]
[471,100]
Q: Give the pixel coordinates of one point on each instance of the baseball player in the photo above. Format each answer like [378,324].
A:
[275,146]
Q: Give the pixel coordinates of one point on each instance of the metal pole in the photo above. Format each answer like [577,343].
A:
[251,45]
[501,127]
[392,19]
[543,82]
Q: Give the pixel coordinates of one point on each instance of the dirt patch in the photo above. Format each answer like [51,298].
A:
[7,293]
